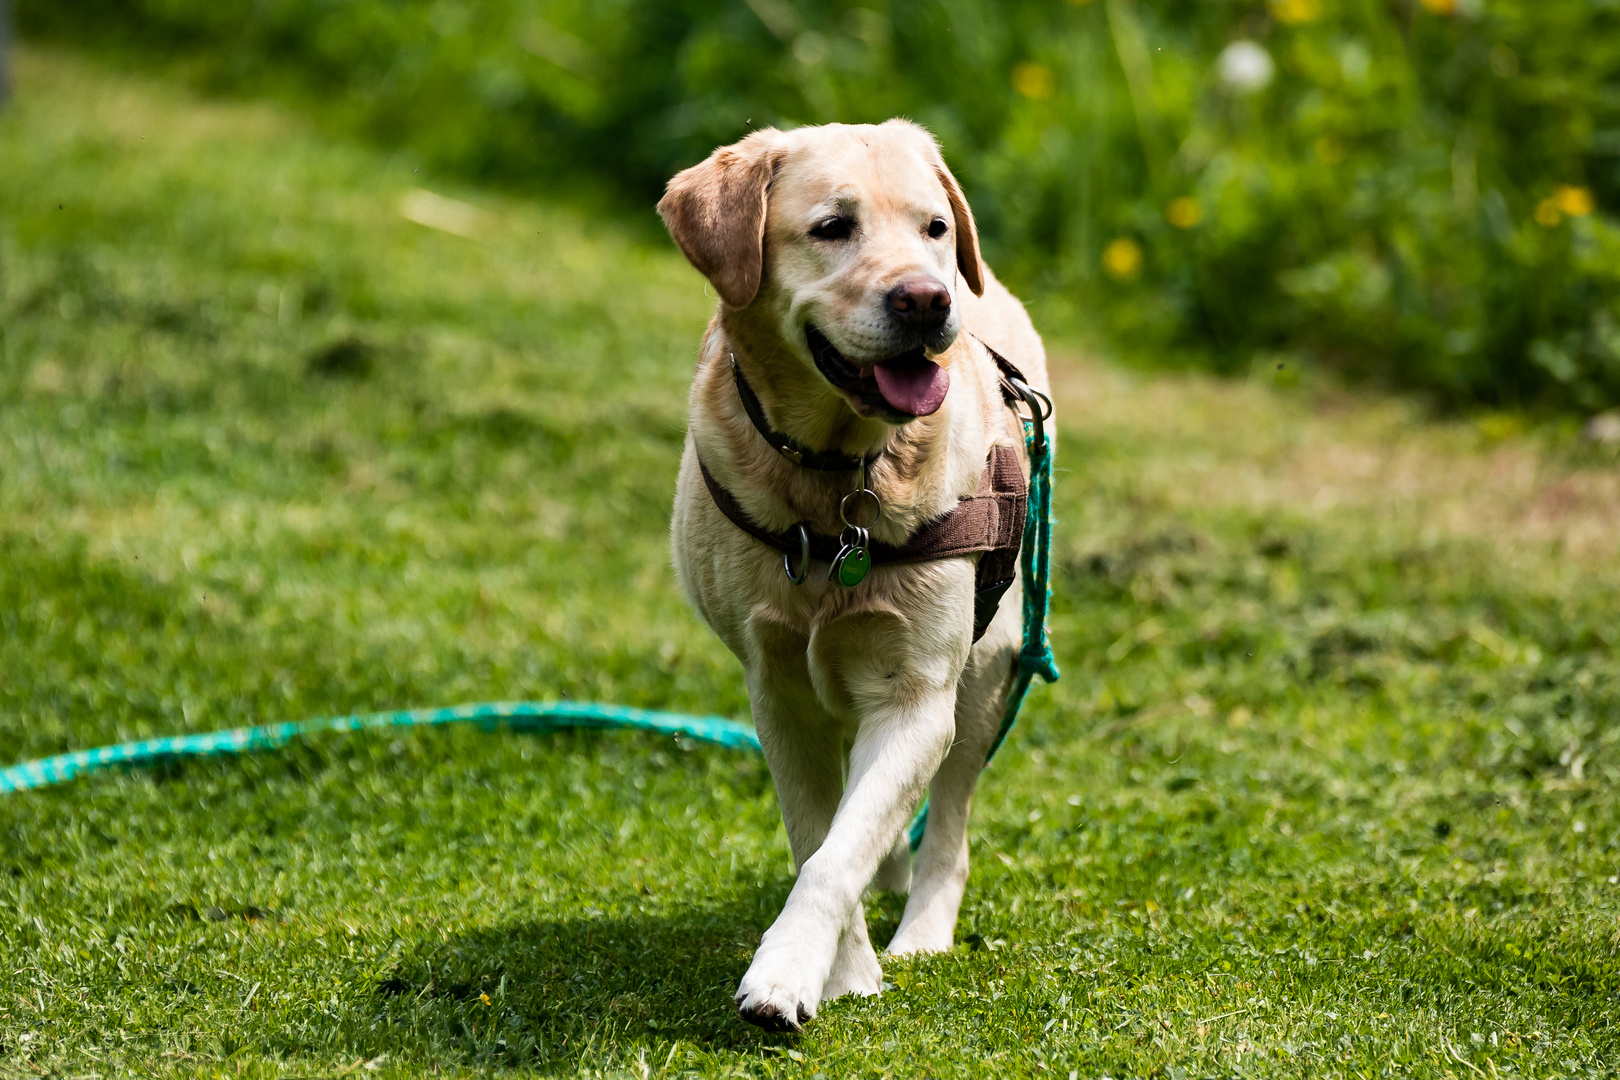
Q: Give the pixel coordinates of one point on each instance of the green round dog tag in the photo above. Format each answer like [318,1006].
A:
[853,566]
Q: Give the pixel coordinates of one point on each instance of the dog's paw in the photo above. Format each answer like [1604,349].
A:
[855,971]
[773,1015]
[919,937]
[774,1008]
[782,986]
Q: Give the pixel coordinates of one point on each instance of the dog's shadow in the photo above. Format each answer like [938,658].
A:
[537,993]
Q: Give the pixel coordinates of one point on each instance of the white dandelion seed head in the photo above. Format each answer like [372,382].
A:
[1245,67]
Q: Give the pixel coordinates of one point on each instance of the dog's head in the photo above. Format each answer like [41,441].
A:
[849,242]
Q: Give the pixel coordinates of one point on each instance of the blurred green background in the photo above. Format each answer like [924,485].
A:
[1420,193]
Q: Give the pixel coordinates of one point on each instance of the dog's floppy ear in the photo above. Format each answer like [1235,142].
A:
[716,212]
[967,235]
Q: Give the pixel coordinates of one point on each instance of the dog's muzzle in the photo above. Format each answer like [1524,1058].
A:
[898,389]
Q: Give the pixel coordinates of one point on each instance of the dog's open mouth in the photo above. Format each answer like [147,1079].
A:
[907,385]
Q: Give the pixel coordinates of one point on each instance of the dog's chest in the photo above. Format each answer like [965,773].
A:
[904,629]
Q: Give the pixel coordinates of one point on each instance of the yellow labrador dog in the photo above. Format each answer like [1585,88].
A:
[850,425]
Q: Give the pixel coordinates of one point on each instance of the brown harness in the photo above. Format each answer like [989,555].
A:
[989,523]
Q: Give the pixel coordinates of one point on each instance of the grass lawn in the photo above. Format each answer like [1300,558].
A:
[1328,787]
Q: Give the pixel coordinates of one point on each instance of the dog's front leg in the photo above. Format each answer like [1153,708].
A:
[898,746]
[940,870]
[804,746]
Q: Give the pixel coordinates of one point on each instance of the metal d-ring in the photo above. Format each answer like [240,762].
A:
[804,557]
[845,509]
[1037,415]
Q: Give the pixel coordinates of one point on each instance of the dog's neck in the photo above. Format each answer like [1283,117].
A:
[798,401]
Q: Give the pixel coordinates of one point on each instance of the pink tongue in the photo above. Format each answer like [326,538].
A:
[913,385]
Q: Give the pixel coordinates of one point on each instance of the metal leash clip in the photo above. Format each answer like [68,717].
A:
[1040,409]
[854,558]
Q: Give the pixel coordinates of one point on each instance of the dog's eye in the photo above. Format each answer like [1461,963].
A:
[833,228]
[937,228]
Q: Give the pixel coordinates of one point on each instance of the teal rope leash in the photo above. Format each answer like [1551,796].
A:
[518,715]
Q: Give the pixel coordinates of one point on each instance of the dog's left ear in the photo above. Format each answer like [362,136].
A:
[967,235]
[716,212]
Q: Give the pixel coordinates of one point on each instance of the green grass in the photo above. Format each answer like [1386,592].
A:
[1328,787]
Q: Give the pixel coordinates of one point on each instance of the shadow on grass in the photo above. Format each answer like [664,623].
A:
[587,989]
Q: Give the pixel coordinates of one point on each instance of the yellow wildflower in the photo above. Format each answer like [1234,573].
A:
[1294,12]
[1572,200]
[1567,200]
[1033,80]
[1122,258]
[1183,212]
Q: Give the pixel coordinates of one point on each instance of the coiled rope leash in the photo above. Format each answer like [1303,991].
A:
[1034,658]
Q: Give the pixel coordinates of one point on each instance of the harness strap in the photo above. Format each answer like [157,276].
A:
[990,522]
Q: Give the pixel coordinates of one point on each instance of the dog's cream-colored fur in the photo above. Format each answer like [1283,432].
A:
[865,697]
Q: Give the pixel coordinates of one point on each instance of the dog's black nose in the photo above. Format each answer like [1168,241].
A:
[922,303]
